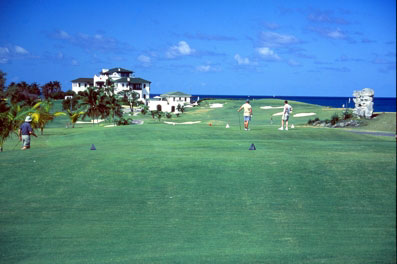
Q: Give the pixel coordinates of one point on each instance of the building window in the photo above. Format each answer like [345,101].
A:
[144,96]
[185,99]
[174,99]
[180,98]
[79,84]
[144,85]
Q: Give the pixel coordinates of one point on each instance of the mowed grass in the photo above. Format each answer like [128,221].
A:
[159,193]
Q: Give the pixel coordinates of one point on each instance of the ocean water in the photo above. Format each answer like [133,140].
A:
[381,104]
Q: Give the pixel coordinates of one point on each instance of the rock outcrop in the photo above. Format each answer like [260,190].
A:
[364,102]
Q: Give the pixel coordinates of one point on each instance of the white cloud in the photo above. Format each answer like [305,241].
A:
[274,39]
[4,51]
[11,52]
[204,68]
[182,49]
[240,60]
[336,34]
[267,53]
[293,63]
[62,34]
[144,59]
[330,33]
[75,62]
[90,42]
[20,50]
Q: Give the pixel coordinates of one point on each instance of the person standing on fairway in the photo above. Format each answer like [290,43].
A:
[24,133]
[284,119]
[247,113]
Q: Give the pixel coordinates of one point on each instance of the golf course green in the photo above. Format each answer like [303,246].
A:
[195,193]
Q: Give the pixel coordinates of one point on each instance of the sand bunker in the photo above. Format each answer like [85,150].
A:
[216,105]
[304,114]
[90,122]
[278,114]
[296,115]
[137,122]
[270,107]
[110,126]
[184,123]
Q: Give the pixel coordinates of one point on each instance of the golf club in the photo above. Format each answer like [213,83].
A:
[16,145]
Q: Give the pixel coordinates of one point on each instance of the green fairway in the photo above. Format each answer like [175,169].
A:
[159,193]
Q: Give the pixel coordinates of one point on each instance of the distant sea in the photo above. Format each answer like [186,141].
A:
[381,104]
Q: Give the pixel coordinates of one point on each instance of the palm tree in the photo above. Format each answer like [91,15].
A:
[131,98]
[42,115]
[11,118]
[145,110]
[6,125]
[90,100]
[74,116]
[112,102]
[160,114]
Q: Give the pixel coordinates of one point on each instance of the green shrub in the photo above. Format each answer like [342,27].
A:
[347,114]
[311,122]
[123,122]
[334,119]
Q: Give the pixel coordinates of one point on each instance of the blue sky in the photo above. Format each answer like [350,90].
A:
[297,48]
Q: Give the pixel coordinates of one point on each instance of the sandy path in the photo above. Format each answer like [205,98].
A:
[278,114]
[90,122]
[184,123]
[270,107]
[304,114]
[296,115]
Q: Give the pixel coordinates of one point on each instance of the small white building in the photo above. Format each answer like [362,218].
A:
[169,102]
[122,79]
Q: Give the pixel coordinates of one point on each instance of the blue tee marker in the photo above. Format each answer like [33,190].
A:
[92,147]
[252,147]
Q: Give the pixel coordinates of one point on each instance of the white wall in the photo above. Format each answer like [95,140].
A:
[166,106]
[76,88]
[100,78]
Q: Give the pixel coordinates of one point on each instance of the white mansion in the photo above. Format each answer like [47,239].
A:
[121,78]
[169,102]
[124,80]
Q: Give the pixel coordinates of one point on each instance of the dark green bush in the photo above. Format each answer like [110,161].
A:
[347,114]
[311,122]
[334,119]
[123,122]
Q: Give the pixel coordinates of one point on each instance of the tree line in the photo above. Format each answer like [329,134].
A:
[19,100]
[30,93]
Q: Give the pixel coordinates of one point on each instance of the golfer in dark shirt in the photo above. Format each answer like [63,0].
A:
[24,133]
